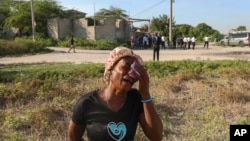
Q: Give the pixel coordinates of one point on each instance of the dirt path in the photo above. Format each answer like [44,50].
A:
[99,56]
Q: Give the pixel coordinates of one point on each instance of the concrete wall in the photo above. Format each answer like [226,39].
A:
[64,28]
[52,26]
[122,30]
[80,27]
[106,29]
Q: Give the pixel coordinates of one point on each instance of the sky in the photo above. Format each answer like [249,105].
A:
[221,15]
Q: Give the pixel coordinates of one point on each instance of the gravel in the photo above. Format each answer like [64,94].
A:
[100,56]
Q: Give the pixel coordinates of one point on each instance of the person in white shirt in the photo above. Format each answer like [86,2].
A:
[193,42]
[163,42]
[185,42]
[206,39]
[189,42]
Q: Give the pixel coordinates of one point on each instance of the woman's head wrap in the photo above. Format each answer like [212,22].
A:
[115,55]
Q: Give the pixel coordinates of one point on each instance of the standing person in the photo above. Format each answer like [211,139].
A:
[137,43]
[179,42]
[72,44]
[140,42]
[145,41]
[189,42]
[185,42]
[112,113]
[193,42]
[132,42]
[248,41]
[156,46]
[163,42]
[206,43]
[174,41]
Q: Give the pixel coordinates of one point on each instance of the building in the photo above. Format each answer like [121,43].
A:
[108,28]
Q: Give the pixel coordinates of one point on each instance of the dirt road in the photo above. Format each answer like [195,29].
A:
[100,56]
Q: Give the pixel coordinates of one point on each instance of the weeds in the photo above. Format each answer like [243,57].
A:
[196,100]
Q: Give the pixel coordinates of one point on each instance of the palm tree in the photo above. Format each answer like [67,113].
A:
[112,12]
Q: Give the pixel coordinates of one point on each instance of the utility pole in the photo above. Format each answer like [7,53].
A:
[33,20]
[94,24]
[170,24]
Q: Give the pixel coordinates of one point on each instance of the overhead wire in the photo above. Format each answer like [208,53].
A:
[149,7]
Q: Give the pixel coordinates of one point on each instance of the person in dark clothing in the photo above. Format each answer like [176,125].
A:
[174,42]
[72,45]
[156,46]
[180,42]
[112,113]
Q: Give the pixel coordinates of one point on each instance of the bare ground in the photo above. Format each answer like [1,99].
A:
[100,56]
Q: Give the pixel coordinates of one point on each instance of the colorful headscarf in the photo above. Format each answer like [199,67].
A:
[115,55]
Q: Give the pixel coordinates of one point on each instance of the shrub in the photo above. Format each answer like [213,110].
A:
[22,46]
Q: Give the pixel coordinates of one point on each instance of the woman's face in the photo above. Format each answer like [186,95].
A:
[120,75]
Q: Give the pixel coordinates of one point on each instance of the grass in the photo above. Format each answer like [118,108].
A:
[196,100]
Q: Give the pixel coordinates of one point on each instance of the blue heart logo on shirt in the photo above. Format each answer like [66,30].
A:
[117,131]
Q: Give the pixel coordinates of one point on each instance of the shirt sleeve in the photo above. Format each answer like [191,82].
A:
[78,112]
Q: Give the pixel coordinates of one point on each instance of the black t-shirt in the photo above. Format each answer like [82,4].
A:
[103,124]
[158,40]
[72,41]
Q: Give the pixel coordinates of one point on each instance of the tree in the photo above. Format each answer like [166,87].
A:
[144,26]
[203,30]
[182,30]
[20,15]
[217,35]
[241,28]
[160,24]
[199,32]
[112,12]
[4,11]
[74,14]
[45,10]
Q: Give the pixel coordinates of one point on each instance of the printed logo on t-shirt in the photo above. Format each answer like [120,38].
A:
[117,131]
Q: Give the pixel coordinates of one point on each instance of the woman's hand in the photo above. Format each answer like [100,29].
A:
[143,82]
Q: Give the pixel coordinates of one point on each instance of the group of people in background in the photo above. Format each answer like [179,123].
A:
[140,41]
[156,41]
[186,42]
[146,41]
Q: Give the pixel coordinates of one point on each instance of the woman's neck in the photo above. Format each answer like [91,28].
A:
[112,99]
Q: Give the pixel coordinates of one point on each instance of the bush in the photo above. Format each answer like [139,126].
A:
[24,46]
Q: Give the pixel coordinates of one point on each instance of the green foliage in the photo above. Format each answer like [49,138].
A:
[22,46]
[241,28]
[199,32]
[20,15]
[160,24]
[55,72]
[182,30]
[106,44]
[4,11]
[79,43]
[82,43]
[243,121]
[112,12]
